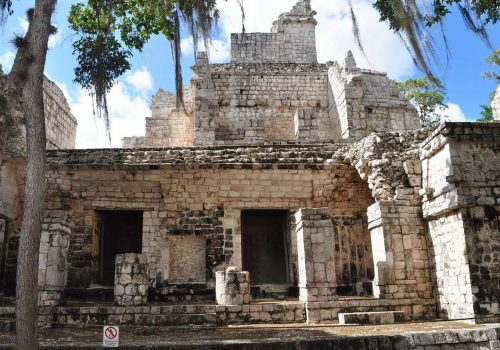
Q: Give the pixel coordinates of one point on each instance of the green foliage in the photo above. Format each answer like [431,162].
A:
[427,99]
[493,60]
[110,30]
[486,114]
[411,21]
[486,11]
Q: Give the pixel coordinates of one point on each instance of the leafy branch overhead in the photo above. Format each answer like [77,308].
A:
[412,20]
[110,30]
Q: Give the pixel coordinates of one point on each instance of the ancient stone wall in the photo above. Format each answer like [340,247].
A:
[168,126]
[203,201]
[292,39]
[362,102]
[461,197]
[254,103]
[60,124]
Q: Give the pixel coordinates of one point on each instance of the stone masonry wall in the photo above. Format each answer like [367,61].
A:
[461,190]
[292,39]
[60,124]
[253,103]
[200,199]
[168,126]
[467,261]
[362,102]
[60,133]
[450,253]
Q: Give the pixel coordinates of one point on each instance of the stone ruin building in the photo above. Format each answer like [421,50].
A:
[308,185]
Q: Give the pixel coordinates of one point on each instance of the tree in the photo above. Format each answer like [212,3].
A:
[486,114]
[487,111]
[493,60]
[109,31]
[411,22]
[102,61]
[23,98]
[427,99]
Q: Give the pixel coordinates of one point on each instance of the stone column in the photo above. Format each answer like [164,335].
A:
[315,255]
[232,287]
[52,262]
[131,279]
[400,254]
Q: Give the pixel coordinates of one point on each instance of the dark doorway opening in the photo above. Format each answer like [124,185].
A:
[121,232]
[265,246]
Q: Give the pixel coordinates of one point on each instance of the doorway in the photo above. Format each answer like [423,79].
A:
[265,246]
[121,232]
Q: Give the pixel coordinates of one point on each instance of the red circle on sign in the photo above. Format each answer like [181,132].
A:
[111,332]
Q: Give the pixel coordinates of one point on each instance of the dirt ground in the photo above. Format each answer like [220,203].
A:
[234,333]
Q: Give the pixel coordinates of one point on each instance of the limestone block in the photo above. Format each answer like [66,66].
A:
[232,287]
[131,279]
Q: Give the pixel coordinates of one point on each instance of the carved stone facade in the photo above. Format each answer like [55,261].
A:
[285,191]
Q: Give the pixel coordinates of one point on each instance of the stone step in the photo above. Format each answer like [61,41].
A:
[381,317]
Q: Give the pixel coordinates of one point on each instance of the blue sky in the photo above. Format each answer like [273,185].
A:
[152,69]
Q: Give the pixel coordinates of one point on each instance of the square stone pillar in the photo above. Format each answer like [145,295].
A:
[53,262]
[315,255]
[232,287]
[131,279]
[400,254]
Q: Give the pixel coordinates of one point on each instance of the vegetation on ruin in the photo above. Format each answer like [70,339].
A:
[427,99]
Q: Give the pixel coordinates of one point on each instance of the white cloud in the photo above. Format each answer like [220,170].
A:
[333,33]
[23,23]
[127,114]
[53,39]
[219,49]
[141,80]
[452,114]
[6,60]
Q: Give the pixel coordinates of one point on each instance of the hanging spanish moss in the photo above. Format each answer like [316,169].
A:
[412,23]
[5,10]
[355,29]
[242,9]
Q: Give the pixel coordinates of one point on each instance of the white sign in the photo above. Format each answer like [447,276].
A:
[110,336]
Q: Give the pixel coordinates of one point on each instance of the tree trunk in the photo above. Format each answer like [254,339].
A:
[34,198]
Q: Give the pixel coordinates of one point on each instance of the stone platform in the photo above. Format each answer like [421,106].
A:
[163,314]
[384,317]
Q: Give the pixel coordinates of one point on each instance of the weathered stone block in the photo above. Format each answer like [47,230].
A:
[131,279]
[232,287]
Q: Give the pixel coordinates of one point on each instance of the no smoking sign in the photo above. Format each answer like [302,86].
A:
[110,336]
